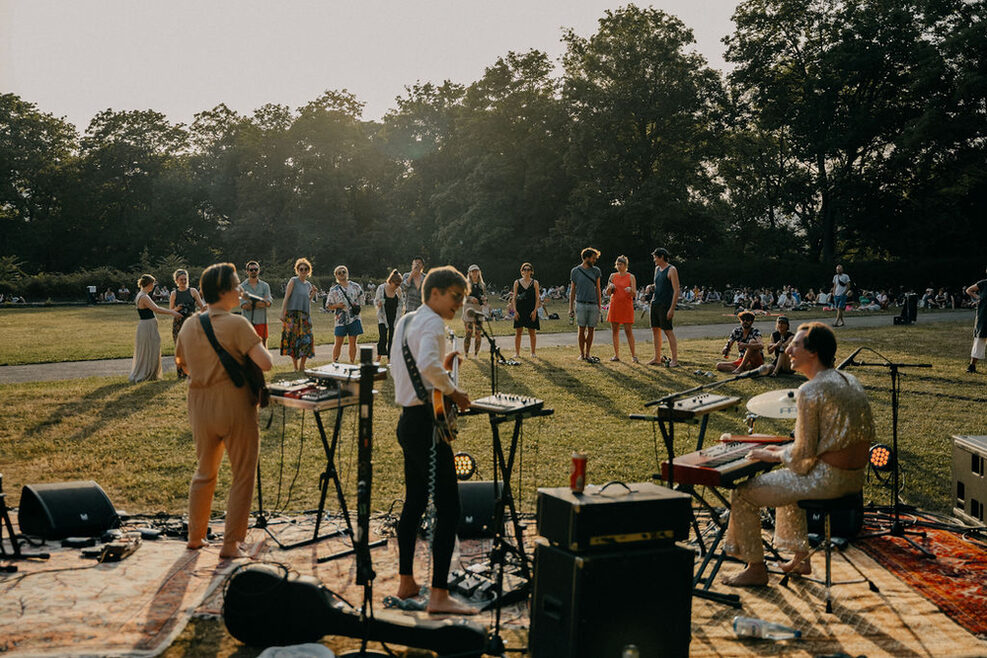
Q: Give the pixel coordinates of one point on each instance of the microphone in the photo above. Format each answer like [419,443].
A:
[849,360]
[750,374]
[473,315]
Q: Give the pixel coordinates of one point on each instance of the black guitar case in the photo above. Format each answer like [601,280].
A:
[265,605]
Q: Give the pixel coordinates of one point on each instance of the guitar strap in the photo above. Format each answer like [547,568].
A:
[409,360]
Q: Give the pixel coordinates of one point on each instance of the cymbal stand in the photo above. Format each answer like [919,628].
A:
[897,528]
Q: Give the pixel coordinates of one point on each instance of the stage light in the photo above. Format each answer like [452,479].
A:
[465,465]
[881,458]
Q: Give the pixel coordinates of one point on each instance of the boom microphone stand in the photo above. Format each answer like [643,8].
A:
[495,354]
[897,528]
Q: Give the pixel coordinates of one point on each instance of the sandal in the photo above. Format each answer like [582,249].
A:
[593,359]
[635,359]
[615,358]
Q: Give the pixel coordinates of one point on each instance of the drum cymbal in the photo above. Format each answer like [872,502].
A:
[774,404]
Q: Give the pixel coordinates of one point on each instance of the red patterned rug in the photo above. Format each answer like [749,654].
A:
[956,581]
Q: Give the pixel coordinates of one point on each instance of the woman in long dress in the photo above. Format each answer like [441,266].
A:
[622,288]
[147,345]
[223,416]
[297,340]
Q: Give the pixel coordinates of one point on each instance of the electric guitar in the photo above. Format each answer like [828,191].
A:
[443,408]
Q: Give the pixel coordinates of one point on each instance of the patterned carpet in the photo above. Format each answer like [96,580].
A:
[956,581]
[71,607]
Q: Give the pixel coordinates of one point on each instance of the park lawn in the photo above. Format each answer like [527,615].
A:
[107,331]
[134,440]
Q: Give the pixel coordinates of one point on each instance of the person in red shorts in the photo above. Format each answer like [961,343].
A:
[251,291]
[748,340]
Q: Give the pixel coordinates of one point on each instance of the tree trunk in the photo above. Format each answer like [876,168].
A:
[827,213]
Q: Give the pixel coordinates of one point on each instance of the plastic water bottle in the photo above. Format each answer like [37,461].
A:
[768,630]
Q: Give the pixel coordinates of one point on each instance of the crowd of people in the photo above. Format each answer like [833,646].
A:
[827,458]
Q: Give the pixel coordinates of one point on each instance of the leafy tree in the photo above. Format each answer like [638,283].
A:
[37,152]
[643,138]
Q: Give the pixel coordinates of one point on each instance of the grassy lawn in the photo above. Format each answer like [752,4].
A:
[134,439]
[79,333]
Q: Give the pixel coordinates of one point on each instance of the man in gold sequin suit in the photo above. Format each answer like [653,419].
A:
[833,432]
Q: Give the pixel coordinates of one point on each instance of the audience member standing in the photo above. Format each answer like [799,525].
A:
[841,286]
[411,285]
[185,300]
[222,415]
[978,291]
[255,311]
[622,288]
[476,300]
[147,344]
[666,296]
[344,298]
[586,301]
[297,340]
[387,299]
[525,300]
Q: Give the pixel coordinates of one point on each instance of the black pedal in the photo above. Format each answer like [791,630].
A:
[150,533]
[486,591]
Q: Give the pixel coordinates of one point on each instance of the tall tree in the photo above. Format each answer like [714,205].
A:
[643,106]
[37,159]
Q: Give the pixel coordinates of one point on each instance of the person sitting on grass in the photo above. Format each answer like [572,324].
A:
[780,339]
[748,340]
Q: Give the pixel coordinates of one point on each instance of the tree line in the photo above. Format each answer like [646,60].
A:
[846,131]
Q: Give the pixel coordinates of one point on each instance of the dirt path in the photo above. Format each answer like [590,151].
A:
[45,372]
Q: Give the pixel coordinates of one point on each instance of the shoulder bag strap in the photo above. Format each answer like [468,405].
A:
[233,369]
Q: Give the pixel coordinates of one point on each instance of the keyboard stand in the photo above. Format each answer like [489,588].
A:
[329,474]
[503,467]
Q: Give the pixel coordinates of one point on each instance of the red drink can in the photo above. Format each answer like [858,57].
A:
[577,474]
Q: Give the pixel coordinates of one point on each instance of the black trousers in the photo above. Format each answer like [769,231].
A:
[415,437]
[386,337]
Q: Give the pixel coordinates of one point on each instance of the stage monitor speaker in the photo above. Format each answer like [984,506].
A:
[844,523]
[970,478]
[65,509]
[590,605]
[909,310]
[477,501]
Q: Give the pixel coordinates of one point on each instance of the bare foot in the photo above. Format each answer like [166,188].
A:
[232,554]
[407,587]
[441,603]
[797,564]
[615,358]
[194,546]
[755,575]
[653,362]
[517,356]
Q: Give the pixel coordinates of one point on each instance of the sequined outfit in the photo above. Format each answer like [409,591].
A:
[833,414]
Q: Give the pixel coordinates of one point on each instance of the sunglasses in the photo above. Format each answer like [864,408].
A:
[253,269]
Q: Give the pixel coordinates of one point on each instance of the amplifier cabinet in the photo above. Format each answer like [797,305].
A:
[602,519]
[969,482]
[592,605]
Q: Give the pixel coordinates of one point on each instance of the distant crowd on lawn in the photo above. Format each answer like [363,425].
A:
[758,300]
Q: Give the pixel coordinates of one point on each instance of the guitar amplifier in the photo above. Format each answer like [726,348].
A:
[637,514]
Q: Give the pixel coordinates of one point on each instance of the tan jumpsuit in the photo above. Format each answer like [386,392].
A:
[222,417]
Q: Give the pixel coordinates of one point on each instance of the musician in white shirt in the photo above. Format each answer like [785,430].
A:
[420,336]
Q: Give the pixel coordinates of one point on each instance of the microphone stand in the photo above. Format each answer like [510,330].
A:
[495,355]
[897,528]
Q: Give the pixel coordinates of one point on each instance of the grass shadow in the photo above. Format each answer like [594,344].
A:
[106,402]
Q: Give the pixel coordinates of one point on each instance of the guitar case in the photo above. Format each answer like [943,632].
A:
[266,605]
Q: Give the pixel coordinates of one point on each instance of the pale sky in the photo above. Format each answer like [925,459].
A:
[74,58]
